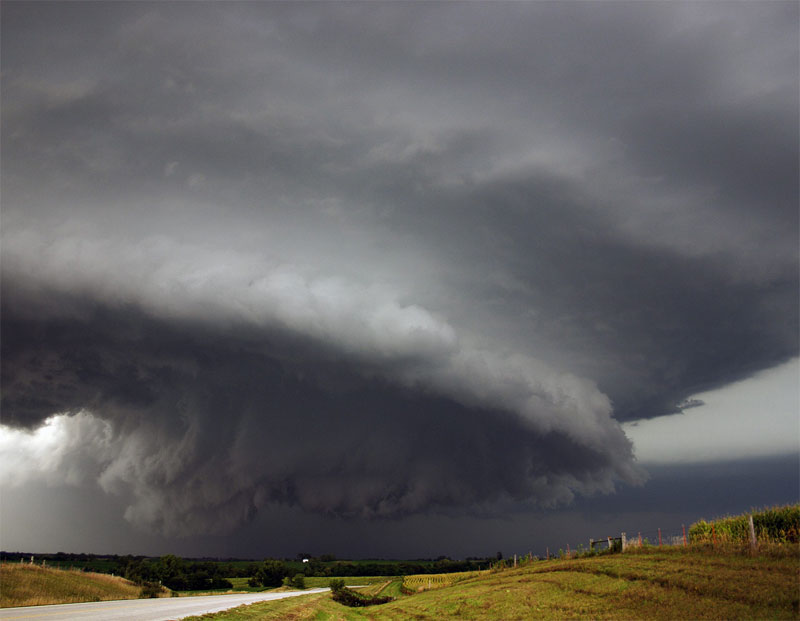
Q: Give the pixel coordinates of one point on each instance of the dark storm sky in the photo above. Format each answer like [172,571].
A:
[386,268]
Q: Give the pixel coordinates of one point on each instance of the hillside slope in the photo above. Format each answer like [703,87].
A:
[32,585]
[651,584]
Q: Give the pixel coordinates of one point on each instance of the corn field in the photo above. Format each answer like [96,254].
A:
[772,525]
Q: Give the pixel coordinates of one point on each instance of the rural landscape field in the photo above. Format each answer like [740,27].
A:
[651,584]
[725,571]
[385,309]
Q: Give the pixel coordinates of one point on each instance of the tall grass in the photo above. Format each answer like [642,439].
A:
[772,525]
[33,585]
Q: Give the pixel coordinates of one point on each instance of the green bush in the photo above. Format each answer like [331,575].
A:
[337,584]
[269,574]
[299,581]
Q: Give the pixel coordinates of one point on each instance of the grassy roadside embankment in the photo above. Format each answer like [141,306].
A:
[652,583]
[22,584]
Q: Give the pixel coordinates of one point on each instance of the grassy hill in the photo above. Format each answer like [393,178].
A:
[22,584]
[652,583]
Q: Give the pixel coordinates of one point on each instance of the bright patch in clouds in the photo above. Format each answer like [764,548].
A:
[757,417]
[65,449]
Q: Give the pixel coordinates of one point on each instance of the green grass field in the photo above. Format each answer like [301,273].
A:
[653,583]
[312,582]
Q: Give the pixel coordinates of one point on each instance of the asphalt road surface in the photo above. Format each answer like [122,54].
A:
[161,609]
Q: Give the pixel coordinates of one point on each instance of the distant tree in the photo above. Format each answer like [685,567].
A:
[314,568]
[250,570]
[499,556]
[271,573]
[170,570]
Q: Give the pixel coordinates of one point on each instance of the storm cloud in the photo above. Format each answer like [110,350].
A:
[379,260]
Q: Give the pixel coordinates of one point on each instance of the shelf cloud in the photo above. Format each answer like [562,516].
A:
[384,260]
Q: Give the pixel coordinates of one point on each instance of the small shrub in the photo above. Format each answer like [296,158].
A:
[337,584]
[299,581]
[150,589]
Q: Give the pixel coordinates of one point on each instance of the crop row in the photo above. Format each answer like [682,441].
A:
[425,582]
[775,525]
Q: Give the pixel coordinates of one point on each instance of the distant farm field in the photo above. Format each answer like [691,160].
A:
[23,584]
[426,582]
[648,584]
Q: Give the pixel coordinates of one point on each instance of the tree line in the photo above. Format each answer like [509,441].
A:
[181,574]
[176,574]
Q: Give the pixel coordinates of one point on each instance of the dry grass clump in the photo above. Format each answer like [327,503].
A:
[22,584]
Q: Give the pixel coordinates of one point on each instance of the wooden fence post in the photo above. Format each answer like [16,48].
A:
[684,535]
[624,541]
[569,554]
[753,543]
[548,554]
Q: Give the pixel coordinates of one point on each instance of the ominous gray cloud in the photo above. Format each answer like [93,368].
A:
[377,260]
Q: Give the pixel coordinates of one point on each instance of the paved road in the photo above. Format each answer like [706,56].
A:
[161,609]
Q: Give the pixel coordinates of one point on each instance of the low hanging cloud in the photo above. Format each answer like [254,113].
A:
[226,391]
